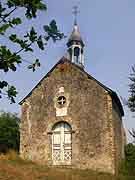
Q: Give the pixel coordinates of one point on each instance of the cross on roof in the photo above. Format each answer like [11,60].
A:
[75,12]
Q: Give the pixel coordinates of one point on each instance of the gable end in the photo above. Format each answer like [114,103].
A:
[62,61]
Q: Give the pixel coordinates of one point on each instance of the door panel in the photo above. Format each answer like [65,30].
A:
[56,138]
[61,144]
[67,147]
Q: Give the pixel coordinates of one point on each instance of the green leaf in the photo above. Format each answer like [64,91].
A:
[13,37]
[10,3]
[12,93]
[28,49]
[12,66]
[16,21]
[53,32]
[37,63]
[41,6]
[8,59]
[40,43]
[32,35]
[3,84]
[32,7]
[3,28]
[53,26]
[34,65]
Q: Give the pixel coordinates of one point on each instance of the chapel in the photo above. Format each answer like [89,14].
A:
[71,119]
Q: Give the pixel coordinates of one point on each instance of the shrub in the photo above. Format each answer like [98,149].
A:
[128,166]
[9,132]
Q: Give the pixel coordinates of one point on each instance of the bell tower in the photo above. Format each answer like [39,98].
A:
[75,44]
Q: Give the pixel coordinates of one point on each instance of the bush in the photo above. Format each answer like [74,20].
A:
[9,132]
[128,166]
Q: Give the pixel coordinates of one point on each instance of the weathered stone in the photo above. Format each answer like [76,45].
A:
[94,116]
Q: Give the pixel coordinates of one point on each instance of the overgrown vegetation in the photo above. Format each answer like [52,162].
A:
[131,100]
[9,132]
[128,165]
[12,167]
[130,158]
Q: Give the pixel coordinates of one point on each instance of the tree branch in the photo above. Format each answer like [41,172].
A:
[23,48]
[26,61]
[4,18]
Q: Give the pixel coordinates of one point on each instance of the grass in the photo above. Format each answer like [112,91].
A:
[12,167]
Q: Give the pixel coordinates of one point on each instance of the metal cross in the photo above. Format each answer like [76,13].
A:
[75,12]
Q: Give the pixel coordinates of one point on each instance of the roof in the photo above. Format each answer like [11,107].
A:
[75,35]
[112,93]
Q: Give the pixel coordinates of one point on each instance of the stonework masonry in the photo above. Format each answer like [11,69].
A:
[93,115]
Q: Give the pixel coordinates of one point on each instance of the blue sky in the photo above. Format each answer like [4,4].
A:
[108,30]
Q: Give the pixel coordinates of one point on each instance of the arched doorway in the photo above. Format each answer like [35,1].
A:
[61,144]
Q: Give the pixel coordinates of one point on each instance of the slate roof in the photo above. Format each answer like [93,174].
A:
[112,93]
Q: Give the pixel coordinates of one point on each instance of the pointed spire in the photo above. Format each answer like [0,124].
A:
[75,12]
[75,44]
[75,35]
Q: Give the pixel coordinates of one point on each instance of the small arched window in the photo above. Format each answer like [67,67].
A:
[76,51]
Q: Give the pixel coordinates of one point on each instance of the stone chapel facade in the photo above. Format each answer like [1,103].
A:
[71,119]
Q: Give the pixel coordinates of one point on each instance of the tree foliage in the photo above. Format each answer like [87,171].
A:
[130,158]
[132,133]
[9,132]
[131,100]
[9,19]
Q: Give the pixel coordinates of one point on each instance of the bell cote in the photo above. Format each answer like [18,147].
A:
[76,47]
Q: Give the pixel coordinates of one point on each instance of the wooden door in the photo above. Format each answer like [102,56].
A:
[61,144]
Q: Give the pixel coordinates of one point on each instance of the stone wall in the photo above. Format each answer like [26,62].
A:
[118,136]
[89,111]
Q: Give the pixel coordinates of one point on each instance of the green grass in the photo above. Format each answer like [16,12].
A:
[12,167]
